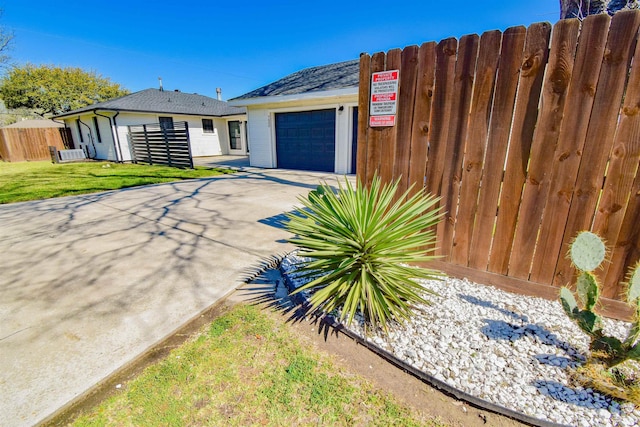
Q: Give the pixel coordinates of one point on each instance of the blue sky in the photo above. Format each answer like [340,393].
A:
[196,46]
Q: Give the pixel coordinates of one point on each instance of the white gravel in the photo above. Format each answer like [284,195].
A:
[508,349]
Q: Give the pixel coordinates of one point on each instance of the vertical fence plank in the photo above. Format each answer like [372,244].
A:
[476,142]
[617,194]
[502,113]
[626,252]
[600,133]
[364,94]
[591,43]
[456,136]
[421,115]
[388,134]
[404,123]
[545,138]
[374,138]
[445,68]
[524,120]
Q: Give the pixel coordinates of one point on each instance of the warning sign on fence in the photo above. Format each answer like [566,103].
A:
[384,98]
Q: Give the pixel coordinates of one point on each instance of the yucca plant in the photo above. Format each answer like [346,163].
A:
[357,244]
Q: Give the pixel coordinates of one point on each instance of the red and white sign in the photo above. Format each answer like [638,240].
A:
[384,98]
[379,121]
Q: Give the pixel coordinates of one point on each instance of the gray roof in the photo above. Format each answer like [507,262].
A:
[28,124]
[169,102]
[341,75]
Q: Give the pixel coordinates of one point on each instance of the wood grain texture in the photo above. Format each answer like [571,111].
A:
[601,131]
[475,146]
[422,115]
[567,157]
[445,68]
[524,120]
[511,53]
[364,94]
[404,120]
[374,135]
[388,135]
[545,138]
[617,196]
[460,104]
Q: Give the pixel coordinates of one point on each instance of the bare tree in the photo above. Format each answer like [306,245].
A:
[582,8]
[6,37]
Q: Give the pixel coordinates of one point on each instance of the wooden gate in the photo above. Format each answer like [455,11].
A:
[528,136]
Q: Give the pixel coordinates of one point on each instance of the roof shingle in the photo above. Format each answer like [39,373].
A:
[157,101]
[341,75]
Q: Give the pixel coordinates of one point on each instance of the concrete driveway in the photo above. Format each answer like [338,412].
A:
[88,283]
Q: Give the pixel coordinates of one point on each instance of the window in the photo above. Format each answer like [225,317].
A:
[95,125]
[207,125]
[79,130]
[166,123]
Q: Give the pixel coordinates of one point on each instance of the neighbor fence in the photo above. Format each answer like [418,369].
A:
[528,137]
[156,144]
[23,144]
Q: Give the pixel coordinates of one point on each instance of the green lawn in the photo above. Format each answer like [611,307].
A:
[246,368]
[25,181]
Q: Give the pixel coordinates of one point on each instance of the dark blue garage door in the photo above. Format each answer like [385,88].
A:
[306,140]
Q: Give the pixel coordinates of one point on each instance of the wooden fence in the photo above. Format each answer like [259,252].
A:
[157,145]
[528,136]
[22,144]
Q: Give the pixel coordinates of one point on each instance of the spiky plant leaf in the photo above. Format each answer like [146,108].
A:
[588,321]
[587,251]
[588,290]
[356,241]
[634,352]
[569,303]
[633,290]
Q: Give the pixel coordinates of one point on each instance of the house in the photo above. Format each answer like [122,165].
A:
[307,120]
[101,129]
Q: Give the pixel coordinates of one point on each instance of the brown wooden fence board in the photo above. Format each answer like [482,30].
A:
[601,131]
[545,138]
[525,143]
[503,105]
[422,115]
[406,101]
[389,134]
[456,136]
[626,251]
[580,99]
[524,120]
[621,171]
[31,144]
[626,245]
[363,116]
[483,91]
[445,67]
[374,134]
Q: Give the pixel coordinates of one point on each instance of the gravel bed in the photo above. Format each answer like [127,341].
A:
[510,350]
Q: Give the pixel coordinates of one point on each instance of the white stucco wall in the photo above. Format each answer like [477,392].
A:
[202,143]
[261,129]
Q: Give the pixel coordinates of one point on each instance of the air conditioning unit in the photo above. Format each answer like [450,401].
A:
[69,155]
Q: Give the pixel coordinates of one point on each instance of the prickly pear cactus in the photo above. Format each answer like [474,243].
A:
[587,252]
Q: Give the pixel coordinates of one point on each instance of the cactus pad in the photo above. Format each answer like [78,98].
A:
[634,285]
[587,251]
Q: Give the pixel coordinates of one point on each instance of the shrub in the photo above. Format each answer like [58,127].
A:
[357,243]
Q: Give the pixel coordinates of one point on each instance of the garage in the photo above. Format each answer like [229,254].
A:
[306,140]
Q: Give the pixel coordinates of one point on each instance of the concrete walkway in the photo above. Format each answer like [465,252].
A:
[89,283]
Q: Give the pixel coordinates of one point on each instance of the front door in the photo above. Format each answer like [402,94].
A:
[236,145]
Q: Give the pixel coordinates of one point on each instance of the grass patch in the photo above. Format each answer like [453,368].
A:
[24,181]
[246,369]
